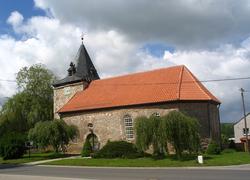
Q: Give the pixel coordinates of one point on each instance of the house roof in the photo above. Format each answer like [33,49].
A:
[84,70]
[162,85]
[241,119]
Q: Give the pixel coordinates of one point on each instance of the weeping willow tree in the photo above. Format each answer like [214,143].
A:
[151,131]
[177,128]
[143,133]
[182,132]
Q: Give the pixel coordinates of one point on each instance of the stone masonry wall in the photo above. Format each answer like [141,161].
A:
[109,124]
[63,94]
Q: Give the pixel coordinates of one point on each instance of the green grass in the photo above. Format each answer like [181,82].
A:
[233,158]
[33,157]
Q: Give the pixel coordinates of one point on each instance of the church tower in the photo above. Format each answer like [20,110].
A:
[78,78]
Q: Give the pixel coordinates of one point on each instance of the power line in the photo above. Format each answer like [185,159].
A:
[203,81]
[194,81]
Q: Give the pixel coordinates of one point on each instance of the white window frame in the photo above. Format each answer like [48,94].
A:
[129,129]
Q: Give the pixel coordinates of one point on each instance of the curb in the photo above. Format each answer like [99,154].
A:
[243,167]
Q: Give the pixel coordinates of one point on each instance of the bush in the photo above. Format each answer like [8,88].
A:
[118,149]
[213,148]
[87,149]
[12,146]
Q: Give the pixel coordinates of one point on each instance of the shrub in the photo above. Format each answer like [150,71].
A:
[12,146]
[213,148]
[87,149]
[115,149]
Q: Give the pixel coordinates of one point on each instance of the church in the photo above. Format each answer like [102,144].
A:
[105,109]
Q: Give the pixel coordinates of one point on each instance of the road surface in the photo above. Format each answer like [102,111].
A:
[66,173]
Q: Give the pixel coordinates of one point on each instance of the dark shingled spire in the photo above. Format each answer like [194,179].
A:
[84,65]
[84,70]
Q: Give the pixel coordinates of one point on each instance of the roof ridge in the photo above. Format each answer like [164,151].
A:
[180,83]
[199,85]
[141,72]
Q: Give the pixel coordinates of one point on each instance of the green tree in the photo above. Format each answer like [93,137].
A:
[182,132]
[36,83]
[227,131]
[143,133]
[33,102]
[177,128]
[12,145]
[151,131]
[55,133]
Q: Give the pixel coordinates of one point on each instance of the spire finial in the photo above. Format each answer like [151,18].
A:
[82,37]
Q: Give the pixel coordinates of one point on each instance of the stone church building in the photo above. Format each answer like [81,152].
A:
[105,109]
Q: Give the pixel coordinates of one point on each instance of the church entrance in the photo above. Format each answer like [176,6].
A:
[92,138]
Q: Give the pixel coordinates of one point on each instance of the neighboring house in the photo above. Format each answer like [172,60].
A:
[239,128]
[105,109]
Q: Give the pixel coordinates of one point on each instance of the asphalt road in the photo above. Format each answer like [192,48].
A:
[46,172]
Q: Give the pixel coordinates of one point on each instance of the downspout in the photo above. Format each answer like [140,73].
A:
[209,120]
[219,133]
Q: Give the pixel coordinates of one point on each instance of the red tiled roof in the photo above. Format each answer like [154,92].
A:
[161,85]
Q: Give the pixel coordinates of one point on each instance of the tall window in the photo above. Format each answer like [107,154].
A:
[245,131]
[129,130]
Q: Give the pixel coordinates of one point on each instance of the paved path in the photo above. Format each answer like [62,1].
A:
[50,160]
[52,172]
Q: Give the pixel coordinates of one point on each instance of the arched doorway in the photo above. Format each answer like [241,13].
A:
[92,138]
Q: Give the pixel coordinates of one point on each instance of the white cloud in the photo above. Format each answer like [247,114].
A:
[224,62]
[186,24]
[15,18]
[54,42]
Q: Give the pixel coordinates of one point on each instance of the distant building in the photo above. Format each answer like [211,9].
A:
[105,109]
[239,128]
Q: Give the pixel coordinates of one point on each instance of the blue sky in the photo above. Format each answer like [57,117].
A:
[25,7]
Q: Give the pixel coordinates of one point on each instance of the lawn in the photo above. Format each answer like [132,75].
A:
[33,157]
[232,158]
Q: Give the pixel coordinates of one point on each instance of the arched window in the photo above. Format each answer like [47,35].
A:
[129,130]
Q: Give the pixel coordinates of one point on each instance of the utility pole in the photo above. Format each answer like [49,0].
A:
[245,120]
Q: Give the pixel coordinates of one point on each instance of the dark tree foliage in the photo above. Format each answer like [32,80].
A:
[12,146]
[55,133]
[14,114]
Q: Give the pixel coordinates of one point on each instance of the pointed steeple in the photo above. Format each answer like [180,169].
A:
[84,66]
[83,71]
